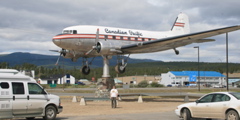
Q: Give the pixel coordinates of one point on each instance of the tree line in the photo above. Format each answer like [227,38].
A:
[148,68]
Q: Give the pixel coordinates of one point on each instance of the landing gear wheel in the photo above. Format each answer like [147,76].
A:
[50,113]
[186,114]
[85,70]
[120,68]
[232,115]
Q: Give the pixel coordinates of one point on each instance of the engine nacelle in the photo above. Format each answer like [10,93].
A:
[107,48]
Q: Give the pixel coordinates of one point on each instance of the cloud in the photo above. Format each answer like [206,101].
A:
[29,26]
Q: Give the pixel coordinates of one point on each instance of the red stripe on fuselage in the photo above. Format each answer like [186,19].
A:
[93,36]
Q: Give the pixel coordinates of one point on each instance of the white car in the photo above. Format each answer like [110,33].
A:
[218,105]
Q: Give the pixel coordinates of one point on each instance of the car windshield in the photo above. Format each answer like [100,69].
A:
[236,95]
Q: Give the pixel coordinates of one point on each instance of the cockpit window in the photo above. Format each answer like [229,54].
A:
[70,32]
[74,31]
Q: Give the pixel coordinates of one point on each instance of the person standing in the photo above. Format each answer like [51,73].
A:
[113,97]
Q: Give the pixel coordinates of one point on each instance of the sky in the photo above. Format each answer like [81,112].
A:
[29,25]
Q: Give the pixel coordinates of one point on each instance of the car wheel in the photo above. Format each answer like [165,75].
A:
[232,115]
[186,114]
[50,113]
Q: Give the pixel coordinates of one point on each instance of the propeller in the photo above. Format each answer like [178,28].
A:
[62,52]
[96,41]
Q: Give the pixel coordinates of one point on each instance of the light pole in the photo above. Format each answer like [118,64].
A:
[227,59]
[198,78]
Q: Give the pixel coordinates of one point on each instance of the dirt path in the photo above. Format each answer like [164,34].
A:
[104,107]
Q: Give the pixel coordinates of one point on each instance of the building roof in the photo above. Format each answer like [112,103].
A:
[117,80]
[202,73]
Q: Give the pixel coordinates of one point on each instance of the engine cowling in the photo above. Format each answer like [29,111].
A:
[107,48]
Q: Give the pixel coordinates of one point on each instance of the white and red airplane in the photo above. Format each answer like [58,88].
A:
[90,41]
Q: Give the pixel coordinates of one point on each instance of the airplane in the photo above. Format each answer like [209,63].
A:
[88,41]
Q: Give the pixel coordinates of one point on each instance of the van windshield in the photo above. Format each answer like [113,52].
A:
[34,88]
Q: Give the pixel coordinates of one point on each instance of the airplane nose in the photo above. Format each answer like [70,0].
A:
[57,41]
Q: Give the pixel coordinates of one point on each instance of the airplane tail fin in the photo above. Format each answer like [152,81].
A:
[181,25]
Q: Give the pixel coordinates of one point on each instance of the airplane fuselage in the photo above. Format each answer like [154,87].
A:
[80,39]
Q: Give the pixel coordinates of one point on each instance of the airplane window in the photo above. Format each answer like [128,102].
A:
[121,37]
[136,39]
[106,37]
[129,38]
[67,32]
[142,39]
[74,31]
[114,37]
[149,39]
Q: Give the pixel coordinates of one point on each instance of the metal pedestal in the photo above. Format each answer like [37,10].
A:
[106,82]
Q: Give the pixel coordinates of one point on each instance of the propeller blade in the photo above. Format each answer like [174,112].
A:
[88,52]
[58,59]
[54,50]
[96,40]
[97,36]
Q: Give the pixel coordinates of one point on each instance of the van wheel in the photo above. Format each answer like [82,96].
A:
[30,118]
[50,113]
[232,115]
[186,114]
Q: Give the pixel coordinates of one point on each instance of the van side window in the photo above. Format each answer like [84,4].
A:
[4,85]
[35,89]
[18,88]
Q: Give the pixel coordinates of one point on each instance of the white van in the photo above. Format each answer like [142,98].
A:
[21,96]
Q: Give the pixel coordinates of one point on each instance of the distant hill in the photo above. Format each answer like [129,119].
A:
[19,58]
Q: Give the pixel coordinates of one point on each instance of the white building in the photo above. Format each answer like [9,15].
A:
[190,78]
[58,79]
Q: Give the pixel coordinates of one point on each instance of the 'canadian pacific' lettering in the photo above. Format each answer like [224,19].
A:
[130,32]
[115,31]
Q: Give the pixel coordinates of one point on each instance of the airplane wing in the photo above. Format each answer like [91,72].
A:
[176,41]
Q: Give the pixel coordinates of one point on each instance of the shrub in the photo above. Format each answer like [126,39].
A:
[143,84]
[155,84]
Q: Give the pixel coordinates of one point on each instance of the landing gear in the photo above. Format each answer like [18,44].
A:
[85,70]
[121,66]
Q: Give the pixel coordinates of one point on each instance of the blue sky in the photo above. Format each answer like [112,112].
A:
[28,25]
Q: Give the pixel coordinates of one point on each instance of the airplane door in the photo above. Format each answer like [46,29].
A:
[5,100]
[19,100]
[37,99]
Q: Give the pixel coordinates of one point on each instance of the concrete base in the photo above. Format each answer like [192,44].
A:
[140,99]
[186,99]
[74,99]
[83,102]
[105,83]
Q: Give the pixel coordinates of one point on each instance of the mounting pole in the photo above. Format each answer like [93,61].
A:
[106,67]
[106,78]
